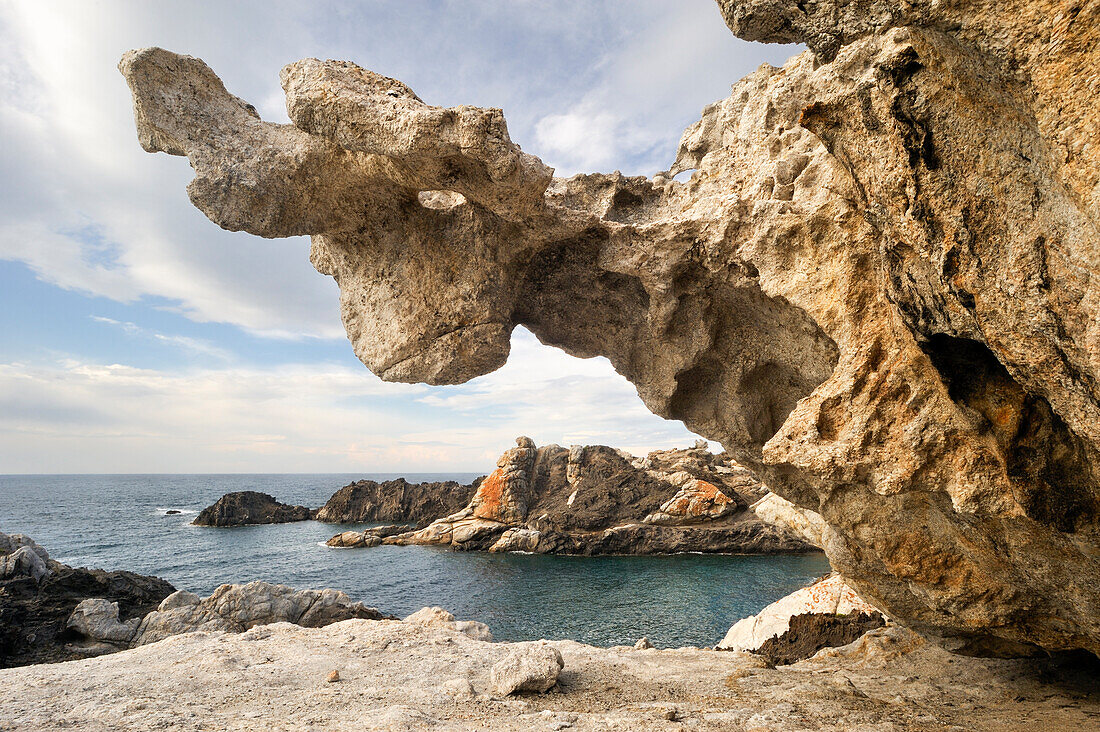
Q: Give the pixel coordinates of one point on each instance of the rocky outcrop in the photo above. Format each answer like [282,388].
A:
[876,290]
[236,608]
[40,597]
[437,617]
[243,508]
[367,501]
[598,500]
[829,597]
[231,608]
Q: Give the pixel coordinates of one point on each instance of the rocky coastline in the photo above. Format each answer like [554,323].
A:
[582,500]
[434,672]
[51,612]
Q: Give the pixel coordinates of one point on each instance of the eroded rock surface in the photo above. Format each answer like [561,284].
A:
[876,290]
[236,608]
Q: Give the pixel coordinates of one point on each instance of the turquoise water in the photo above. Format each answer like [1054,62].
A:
[119,522]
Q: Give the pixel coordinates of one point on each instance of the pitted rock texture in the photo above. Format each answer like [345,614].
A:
[876,290]
[598,500]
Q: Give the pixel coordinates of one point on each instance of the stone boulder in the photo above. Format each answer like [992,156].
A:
[437,617]
[695,502]
[236,608]
[243,508]
[96,622]
[532,667]
[830,596]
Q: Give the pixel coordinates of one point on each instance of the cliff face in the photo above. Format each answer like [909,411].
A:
[876,290]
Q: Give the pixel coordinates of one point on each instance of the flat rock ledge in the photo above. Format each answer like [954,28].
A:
[405,676]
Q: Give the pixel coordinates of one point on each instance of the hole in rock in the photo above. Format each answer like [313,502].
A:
[684,175]
[440,200]
[765,354]
[1049,466]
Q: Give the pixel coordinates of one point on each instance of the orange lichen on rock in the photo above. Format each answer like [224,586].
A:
[697,500]
[488,502]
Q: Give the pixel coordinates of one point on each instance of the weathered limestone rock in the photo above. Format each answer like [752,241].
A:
[236,608]
[801,522]
[530,667]
[830,596]
[876,290]
[400,676]
[243,508]
[97,620]
[437,617]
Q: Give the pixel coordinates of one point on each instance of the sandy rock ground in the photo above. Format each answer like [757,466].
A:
[401,676]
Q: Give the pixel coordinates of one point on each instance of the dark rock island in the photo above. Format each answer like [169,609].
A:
[250,507]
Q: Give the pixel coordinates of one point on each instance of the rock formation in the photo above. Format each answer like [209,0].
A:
[598,500]
[366,501]
[236,608]
[531,667]
[437,617]
[40,596]
[243,508]
[875,290]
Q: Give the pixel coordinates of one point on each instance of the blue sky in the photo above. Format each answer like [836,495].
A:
[136,336]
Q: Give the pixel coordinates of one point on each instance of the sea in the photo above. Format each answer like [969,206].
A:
[122,522]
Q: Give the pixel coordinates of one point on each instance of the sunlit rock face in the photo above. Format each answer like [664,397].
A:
[876,290]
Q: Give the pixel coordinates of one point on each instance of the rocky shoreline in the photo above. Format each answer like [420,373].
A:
[263,656]
[581,500]
[51,612]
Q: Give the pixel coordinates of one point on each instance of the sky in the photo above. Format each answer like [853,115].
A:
[138,337]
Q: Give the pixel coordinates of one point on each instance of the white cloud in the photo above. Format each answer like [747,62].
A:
[586,85]
[77,416]
[196,346]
